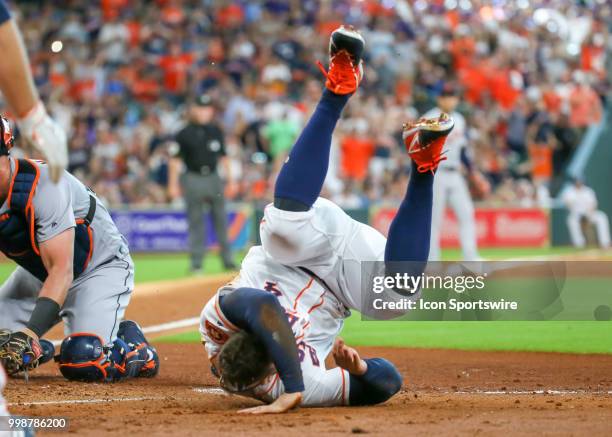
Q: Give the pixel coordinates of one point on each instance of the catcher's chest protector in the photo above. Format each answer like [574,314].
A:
[18,225]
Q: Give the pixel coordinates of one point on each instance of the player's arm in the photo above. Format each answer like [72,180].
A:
[175,164]
[355,381]
[479,185]
[284,403]
[225,161]
[18,88]
[466,159]
[57,257]
[55,223]
[371,381]
[22,350]
[260,313]
[174,170]
[15,78]
[592,199]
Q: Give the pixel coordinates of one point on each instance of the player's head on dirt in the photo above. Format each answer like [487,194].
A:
[243,362]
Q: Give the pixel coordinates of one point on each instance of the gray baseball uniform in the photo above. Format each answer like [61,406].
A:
[450,186]
[98,298]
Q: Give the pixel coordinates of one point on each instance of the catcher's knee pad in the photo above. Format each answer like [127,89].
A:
[83,357]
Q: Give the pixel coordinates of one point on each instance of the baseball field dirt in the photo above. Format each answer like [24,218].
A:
[444,392]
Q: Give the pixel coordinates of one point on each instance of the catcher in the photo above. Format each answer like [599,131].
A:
[269,332]
[73,264]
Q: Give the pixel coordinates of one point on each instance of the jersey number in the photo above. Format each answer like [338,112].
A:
[303,348]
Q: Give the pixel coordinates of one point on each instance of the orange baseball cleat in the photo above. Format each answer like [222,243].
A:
[345,72]
[425,139]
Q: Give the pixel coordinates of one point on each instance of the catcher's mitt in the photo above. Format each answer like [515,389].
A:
[18,351]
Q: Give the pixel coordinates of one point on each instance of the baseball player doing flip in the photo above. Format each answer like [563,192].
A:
[73,264]
[269,331]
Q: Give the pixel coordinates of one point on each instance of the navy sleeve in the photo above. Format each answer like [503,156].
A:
[379,383]
[260,313]
[465,159]
[5,14]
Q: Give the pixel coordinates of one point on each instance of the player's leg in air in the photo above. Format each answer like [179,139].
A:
[302,230]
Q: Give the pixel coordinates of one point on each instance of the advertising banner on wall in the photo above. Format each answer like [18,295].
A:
[167,230]
[495,227]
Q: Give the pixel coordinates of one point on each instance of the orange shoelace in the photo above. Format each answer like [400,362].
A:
[341,69]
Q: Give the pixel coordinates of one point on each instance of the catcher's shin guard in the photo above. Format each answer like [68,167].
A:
[131,333]
[84,357]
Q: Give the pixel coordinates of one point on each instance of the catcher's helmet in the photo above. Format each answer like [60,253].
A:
[6,136]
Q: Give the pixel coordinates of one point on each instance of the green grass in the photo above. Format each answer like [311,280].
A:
[577,337]
[574,337]
[151,268]
[510,252]
[543,336]
[156,267]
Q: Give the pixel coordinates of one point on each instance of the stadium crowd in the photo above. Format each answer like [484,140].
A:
[119,77]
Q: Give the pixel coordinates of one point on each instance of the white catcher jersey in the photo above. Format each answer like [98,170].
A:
[316,317]
[455,141]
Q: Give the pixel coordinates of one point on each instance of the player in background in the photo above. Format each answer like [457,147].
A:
[450,186]
[269,331]
[581,203]
[18,89]
[73,264]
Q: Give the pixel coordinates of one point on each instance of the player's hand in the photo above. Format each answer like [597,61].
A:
[47,137]
[478,185]
[19,351]
[284,403]
[348,358]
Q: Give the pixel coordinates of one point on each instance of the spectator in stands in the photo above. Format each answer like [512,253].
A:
[585,104]
[132,65]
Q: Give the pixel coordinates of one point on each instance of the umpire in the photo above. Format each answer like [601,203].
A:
[201,148]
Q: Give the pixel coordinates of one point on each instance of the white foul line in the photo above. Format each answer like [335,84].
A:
[531,392]
[86,401]
[183,323]
[210,391]
[177,324]
[218,391]
[205,390]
